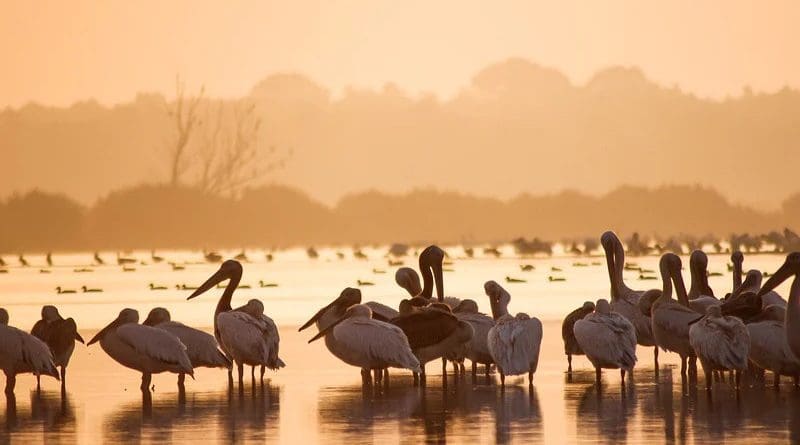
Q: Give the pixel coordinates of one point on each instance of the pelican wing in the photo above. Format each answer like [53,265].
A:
[202,348]
[514,344]
[608,340]
[381,311]
[378,340]
[273,339]
[29,353]
[155,343]
[40,330]
[724,341]
[426,327]
[243,337]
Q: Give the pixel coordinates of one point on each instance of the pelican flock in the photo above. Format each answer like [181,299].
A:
[751,329]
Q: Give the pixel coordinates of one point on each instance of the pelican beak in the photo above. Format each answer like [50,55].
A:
[325,331]
[347,298]
[219,276]
[776,279]
[103,332]
[609,251]
[79,338]
[438,279]
[696,320]
[317,316]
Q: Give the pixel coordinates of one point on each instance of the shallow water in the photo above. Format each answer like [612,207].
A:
[316,398]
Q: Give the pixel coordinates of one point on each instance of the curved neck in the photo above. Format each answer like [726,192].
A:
[616,263]
[499,309]
[666,284]
[427,281]
[699,282]
[224,304]
[737,275]
[680,288]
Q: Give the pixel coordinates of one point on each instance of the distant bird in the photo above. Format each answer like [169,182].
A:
[555,269]
[91,290]
[61,290]
[269,257]
[571,346]
[185,287]
[365,283]
[360,255]
[514,341]
[369,344]
[378,271]
[312,253]
[477,349]
[83,270]
[262,283]
[155,258]
[608,339]
[128,269]
[157,287]
[143,348]
[551,278]
[241,256]
[201,348]
[44,270]
[59,334]
[430,265]
[176,267]
[49,259]
[721,343]
[22,261]
[647,277]
[121,261]
[526,267]
[212,257]
[97,259]
[624,300]
[340,255]
[2,262]
[515,280]
[20,353]
[737,258]
[242,337]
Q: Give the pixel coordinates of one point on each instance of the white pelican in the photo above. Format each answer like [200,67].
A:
[369,344]
[514,342]
[671,319]
[624,300]
[790,267]
[145,349]
[59,334]
[721,343]
[201,348]
[701,296]
[242,337]
[431,261]
[255,308]
[571,346]
[477,349]
[21,352]
[608,340]
[768,346]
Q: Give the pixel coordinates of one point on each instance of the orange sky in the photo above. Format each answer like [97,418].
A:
[59,52]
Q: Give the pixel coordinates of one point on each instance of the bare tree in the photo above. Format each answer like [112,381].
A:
[185,118]
[231,155]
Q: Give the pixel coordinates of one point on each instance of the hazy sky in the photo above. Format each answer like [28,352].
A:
[58,52]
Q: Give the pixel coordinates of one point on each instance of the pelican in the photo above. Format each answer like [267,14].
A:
[361,341]
[790,267]
[608,340]
[768,346]
[255,308]
[431,261]
[571,346]
[670,318]
[21,352]
[624,300]
[242,337]
[201,348]
[477,349]
[721,343]
[143,348]
[701,296]
[59,334]
[514,342]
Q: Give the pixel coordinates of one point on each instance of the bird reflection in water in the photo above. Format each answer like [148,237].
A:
[51,417]
[221,415]
[402,411]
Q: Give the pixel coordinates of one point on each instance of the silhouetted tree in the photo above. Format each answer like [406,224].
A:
[184,114]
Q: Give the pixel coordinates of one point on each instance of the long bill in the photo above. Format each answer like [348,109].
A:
[780,275]
[325,331]
[318,315]
[210,283]
[113,325]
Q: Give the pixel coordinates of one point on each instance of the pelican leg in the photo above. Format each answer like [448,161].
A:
[776,380]
[709,378]
[683,367]
[502,379]
[487,369]
[530,379]
[366,377]
[240,368]
[181,382]
[230,376]
[655,358]
[146,378]
[253,375]
[11,381]
[738,377]
[461,368]
[569,363]
[598,376]
[263,368]
[377,374]
[474,373]
[422,377]
[386,376]
[38,383]
[622,376]
[796,381]
[416,379]
[63,377]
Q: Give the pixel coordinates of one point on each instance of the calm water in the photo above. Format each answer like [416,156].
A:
[319,399]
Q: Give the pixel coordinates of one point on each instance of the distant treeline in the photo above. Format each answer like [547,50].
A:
[159,216]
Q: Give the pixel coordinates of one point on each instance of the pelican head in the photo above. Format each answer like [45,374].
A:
[699,259]
[3,316]
[752,279]
[230,269]
[354,311]
[50,313]
[347,298]
[498,298]
[408,279]
[737,257]
[125,316]
[745,305]
[603,307]
[791,266]
[254,308]
[157,316]
[647,299]
[467,306]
